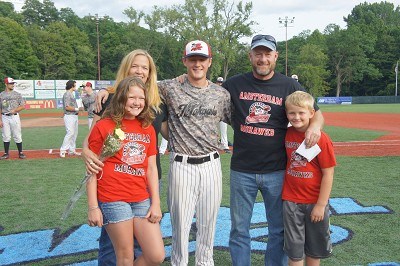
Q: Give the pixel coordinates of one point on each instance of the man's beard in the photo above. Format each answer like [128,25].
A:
[265,72]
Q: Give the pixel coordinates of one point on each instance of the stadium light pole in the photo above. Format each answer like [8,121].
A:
[286,21]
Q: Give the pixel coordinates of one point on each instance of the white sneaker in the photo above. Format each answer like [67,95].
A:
[75,153]
[62,154]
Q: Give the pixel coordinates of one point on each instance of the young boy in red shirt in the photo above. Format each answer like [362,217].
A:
[306,188]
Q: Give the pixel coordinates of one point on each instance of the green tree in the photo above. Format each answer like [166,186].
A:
[294,46]
[347,54]
[218,22]
[312,69]
[381,23]
[83,57]
[15,50]
[7,10]
[134,16]
[55,55]
[68,16]
[40,14]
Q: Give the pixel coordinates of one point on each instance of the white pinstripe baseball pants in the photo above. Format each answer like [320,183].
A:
[194,188]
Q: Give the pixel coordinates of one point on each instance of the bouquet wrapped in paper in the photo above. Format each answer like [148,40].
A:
[112,144]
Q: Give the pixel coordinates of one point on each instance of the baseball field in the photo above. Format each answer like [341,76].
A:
[365,200]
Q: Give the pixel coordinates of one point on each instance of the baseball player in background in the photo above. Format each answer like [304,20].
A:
[195,108]
[71,112]
[223,127]
[88,100]
[11,103]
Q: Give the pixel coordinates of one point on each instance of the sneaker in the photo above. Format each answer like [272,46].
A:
[22,156]
[74,153]
[227,151]
[4,156]
[62,154]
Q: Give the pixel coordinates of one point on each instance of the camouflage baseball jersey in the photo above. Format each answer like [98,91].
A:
[10,100]
[69,100]
[88,102]
[194,115]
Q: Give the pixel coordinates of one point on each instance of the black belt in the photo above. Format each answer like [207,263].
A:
[9,114]
[196,160]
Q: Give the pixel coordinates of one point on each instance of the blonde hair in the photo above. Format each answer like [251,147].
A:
[301,99]
[151,83]
[116,109]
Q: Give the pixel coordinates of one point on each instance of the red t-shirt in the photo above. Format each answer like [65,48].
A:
[302,178]
[124,174]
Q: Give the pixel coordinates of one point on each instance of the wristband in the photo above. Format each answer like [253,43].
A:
[76,109]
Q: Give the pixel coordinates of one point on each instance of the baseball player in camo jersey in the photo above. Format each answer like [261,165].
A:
[195,108]
[88,100]
[71,112]
[11,103]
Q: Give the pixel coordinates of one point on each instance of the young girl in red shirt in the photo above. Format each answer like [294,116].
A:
[125,197]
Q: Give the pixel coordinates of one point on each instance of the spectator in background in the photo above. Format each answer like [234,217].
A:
[223,127]
[88,100]
[71,112]
[11,103]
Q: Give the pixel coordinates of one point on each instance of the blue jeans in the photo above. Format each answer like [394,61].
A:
[106,256]
[244,188]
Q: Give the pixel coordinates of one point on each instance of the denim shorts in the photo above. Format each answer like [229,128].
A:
[119,211]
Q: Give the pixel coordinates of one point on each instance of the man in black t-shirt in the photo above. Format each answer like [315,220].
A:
[258,161]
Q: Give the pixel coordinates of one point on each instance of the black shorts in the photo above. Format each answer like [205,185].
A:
[302,236]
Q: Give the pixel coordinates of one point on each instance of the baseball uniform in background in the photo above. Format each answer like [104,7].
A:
[11,103]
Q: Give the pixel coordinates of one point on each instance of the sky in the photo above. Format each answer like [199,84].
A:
[308,15]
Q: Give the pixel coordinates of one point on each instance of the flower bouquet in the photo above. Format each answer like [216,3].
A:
[111,146]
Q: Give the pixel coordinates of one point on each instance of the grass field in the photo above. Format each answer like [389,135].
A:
[35,192]
[392,108]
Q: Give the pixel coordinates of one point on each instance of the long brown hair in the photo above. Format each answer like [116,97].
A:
[116,109]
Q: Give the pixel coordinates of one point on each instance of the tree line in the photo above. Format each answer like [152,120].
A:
[42,42]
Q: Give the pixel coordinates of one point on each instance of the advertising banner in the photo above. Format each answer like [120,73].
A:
[40,104]
[334,100]
[44,85]
[25,87]
[99,84]
[44,94]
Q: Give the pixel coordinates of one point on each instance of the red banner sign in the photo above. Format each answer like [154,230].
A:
[40,104]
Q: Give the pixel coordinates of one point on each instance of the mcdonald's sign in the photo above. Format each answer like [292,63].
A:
[40,104]
[49,104]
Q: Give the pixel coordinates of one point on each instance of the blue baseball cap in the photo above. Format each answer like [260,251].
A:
[263,40]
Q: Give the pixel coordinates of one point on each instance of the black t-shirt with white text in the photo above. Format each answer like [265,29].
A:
[259,121]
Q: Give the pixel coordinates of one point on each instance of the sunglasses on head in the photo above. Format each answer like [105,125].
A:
[263,37]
